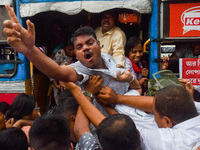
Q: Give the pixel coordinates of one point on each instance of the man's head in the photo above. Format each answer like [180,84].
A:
[108,20]
[50,132]
[67,106]
[87,48]
[172,105]
[13,139]
[196,48]
[118,132]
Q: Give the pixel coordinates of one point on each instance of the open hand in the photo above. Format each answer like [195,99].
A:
[19,38]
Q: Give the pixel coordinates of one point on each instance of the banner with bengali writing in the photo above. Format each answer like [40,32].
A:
[189,68]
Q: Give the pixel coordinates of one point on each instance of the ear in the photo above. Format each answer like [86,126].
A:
[167,122]
[71,147]
[73,118]
[98,42]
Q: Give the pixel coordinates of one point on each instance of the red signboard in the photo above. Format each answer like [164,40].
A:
[8,97]
[184,20]
[190,69]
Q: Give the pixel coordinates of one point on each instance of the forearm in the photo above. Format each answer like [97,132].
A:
[110,109]
[81,124]
[49,67]
[21,123]
[144,103]
[88,108]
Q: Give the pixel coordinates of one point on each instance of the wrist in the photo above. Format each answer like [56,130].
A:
[90,95]
[32,52]
[132,79]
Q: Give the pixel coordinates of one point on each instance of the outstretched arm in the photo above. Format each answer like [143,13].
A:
[108,96]
[23,41]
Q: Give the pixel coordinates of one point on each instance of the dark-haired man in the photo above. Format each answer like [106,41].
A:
[175,112]
[50,132]
[87,50]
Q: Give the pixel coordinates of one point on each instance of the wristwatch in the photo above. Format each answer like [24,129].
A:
[89,95]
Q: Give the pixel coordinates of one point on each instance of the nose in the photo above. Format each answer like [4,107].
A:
[85,47]
[138,54]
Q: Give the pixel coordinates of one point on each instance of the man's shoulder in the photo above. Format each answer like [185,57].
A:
[98,29]
[118,32]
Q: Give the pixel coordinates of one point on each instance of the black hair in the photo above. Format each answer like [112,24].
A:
[175,102]
[118,132]
[86,30]
[67,40]
[132,42]
[4,106]
[50,132]
[13,139]
[22,105]
[67,104]
[112,12]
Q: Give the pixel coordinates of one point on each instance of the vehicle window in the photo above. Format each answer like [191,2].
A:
[8,61]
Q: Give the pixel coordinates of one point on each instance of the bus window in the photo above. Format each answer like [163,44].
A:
[8,61]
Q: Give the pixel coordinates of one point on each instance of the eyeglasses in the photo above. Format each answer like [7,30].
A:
[37,109]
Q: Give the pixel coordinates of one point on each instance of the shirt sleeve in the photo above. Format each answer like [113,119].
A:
[88,142]
[148,138]
[128,66]
[197,105]
[118,44]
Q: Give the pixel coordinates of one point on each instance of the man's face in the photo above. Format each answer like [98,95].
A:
[87,50]
[196,49]
[157,117]
[107,22]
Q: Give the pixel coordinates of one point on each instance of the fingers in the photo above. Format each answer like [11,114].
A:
[104,90]
[11,13]
[118,74]
[184,81]
[31,27]
[11,33]
[11,30]
[96,79]
[165,59]
[13,40]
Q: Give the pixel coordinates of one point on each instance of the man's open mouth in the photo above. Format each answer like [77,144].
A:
[106,23]
[88,55]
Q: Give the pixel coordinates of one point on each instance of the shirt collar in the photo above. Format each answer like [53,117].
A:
[108,32]
[188,123]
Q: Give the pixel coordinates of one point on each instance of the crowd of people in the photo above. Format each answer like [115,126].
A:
[102,104]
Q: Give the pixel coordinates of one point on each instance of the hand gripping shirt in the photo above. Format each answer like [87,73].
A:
[106,74]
